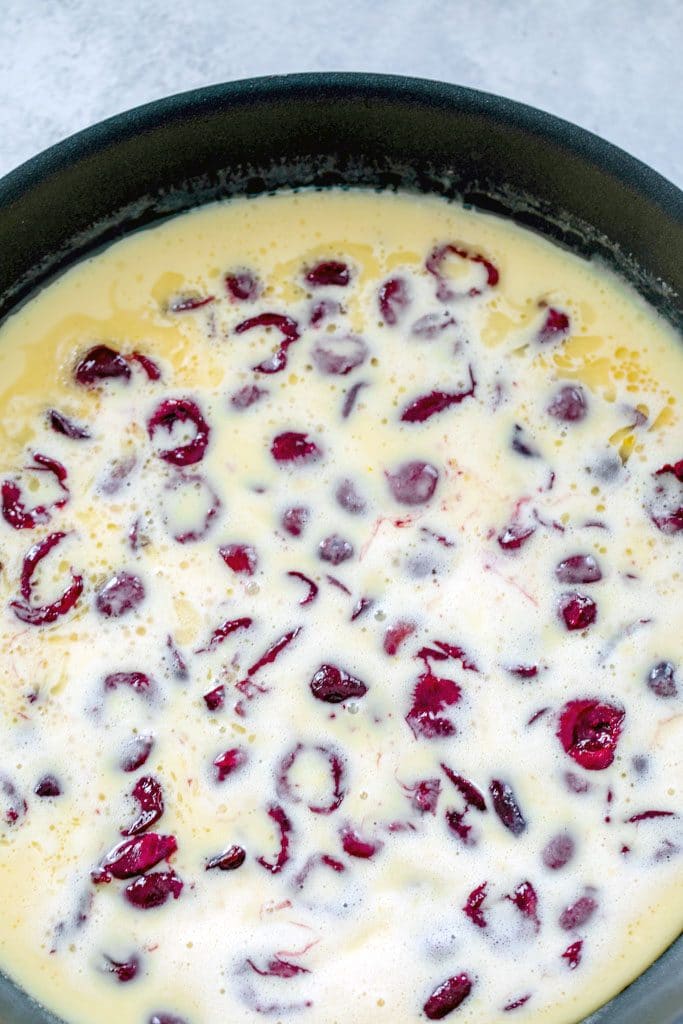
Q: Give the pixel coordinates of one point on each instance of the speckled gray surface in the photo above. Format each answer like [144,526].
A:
[612,66]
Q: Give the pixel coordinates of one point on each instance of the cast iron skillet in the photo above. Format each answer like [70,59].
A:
[350,129]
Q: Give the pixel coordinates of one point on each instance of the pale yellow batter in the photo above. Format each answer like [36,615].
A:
[377,930]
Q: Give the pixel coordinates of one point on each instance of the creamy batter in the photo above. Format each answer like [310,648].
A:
[340,620]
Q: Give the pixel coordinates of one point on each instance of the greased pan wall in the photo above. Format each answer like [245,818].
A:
[355,129]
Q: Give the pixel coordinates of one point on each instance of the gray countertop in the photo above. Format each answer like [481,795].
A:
[613,66]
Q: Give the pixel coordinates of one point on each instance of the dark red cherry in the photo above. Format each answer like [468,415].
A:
[123,970]
[39,615]
[100,364]
[230,860]
[578,569]
[396,635]
[135,753]
[228,762]
[139,682]
[426,406]
[506,806]
[577,611]
[473,797]
[515,535]
[333,685]
[122,593]
[589,731]
[134,856]
[338,355]
[666,504]
[569,404]
[661,679]
[351,397]
[242,286]
[277,814]
[578,914]
[294,520]
[445,289]
[424,795]
[289,330]
[393,299]
[555,327]
[430,698]
[215,698]
[558,851]
[241,558]
[329,273]
[222,632]
[247,396]
[188,303]
[286,792]
[48,786]
[348,497]
[572,954]
[413,483]
[335,549]
[180,410]
[312,587]
[62,425]
[153,890]
[447,996]
[324,309]
[357,845]
[149,795]
[292,446]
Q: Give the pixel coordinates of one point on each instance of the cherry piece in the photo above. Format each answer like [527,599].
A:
[338,355]
[62,425]
[180,410]
[357,846]
[424,795]
[312,587]
[123,970]
[153,890]
[285,791]
[233,858]
[285,827]
[225,630]
[363,605]
[578,913]
[522,444]
[332,685]
[241,558]
[242,286]
[558,851]
[247,396]
[413,483]
[324,310]
[572,954]
[525,899]
[431,325]
[100,364]
[348,497]
[149,794]
[447,996]
[150,368]
[16,806]
[292,446]
[119,595]
[661,679]
[188,303]
[555,327]
[649,815]
[430,696]
[134,856]
[166,1018]
[666,507]
[48,786]
[515,535]
[215,699]
[522,671]
[335,549]
[328,273]
[396,635]
[426,406]
[351,397]
[288,328]
[445,651]
[577,611]
[278,968]
[39,615]
[178,664]
[228,762]
[569,405]
[589,731]
[506,807]
[294,520]
[267,658]
[135,753]
[473,797]
[516,1003]
[13,509]
[136,681]
[578,569]
[473,905]
[393,299]
[445,290]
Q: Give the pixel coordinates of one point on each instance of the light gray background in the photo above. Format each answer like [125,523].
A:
[613,66]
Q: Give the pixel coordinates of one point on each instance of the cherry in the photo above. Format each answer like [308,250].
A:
[555,327]
[16,806]
[99,364]
[578,569]
[473,797]
[267,658]
[413,483]
[292,446]
[516,1003]
[334,685]
[225,630]
[577,611]
[134,856]
[522,671]
[241,558]
[444,290]
[578,913]
[122,593]
[649,815]
[62,425]
[180,410]
[431,325]
[242,286]
[286,792]
[39,615]
[328,273]
[135,753]
[215,699]
[447,996]
[424,795]
[15,512]
[137,681]
[348,497]
[294,520]
[233,858]
[351,397]
[188,303]
[228,762]
[393,299]
[558,851]
[426,406]
[285,827]
[312,587]
[339,355]
[396,635]
[356,845]
[278,968]
[177,662]
[324,310]
[522,444]
[335,549]
[123,970]
[515,536]
[166,1018]
[572,954]
[506,807]
[153,890]
[430,696]
[149,795]
[569,404]
[247,396]
[525,899]
[288,328]
[661,679]
[48,786]
[589,731]
[666,506]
